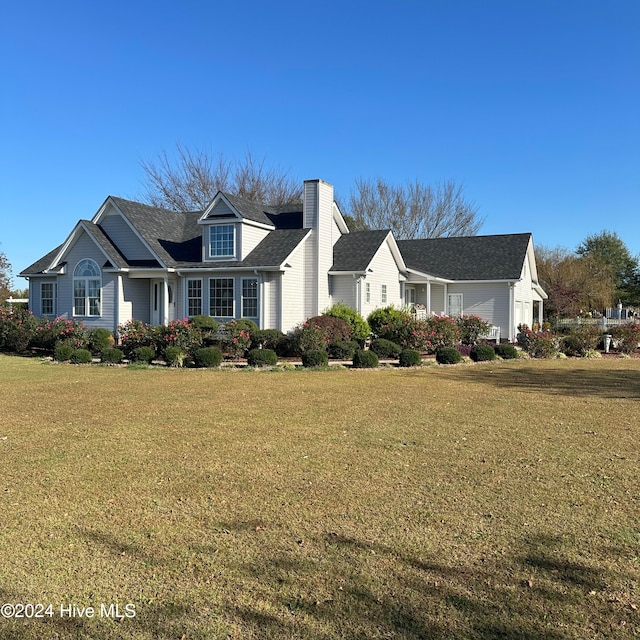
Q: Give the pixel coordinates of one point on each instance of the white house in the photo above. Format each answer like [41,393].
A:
[275,265]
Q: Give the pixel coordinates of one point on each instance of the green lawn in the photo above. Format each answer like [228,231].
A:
[482,501]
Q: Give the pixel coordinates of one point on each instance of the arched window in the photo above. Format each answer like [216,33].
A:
[87,281]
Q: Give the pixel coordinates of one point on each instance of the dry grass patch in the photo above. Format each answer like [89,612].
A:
[493,501]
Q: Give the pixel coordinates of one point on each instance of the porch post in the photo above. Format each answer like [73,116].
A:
[428,297]
[165,300]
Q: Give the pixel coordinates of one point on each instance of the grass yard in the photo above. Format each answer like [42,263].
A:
[498,500]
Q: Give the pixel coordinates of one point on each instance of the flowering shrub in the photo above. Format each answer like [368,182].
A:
[17,330]
[61,330]
[470,328]
[626,337]
[421,335]
[237,338]
[444,331]
[134,334]
[308,337]
[580,340]
[538,344]
[178,333]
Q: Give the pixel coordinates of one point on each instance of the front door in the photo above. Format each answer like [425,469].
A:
[409,296]
[157,302]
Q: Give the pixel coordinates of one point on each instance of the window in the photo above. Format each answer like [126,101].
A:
[367,291]
[250,298]
[48,298]
[222,241]
[87,282]
[221,297]
[194,297]
[455,305]
[383,294]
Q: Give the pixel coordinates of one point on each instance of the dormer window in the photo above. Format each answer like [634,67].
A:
[222,239]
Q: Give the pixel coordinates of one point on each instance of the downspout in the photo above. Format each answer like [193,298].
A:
[428,297]
[116,305]
[260,299]
[511,310]
[165,300]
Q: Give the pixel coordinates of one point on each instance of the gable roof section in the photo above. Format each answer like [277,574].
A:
[41,265]
[495,257]
[172,237]
[353,252]
[288,216]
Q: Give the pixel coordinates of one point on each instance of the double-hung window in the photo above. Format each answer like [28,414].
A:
[383,294]
[48,298]
[87,281]
[221,297]
[367,291]
[249,297]
[194,297]
[222,241]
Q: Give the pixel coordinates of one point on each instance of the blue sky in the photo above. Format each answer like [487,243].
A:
[534,105]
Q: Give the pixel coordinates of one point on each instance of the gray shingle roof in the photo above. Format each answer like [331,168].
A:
[266,214]
[354,251]
[101,238]
[498,257]
[40,265]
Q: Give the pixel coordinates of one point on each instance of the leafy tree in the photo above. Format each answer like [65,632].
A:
[608,248]
[191,180]
[5,278]
[574,284]
[414,210]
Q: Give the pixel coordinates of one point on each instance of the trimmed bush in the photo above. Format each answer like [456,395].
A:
[365,359]
[448,355]
[143,354]
[262,358]
[506,351]
[482,352]
[100,339]
[332,328]
[178,333]
[111,355]
[380,319]
[62,352]
[237,337]
[81,356]
[174,356]
[410,358]
[207,357]
[342,349]
[315,359]
[359,327]
[385,348]
[267,339]
[208,328]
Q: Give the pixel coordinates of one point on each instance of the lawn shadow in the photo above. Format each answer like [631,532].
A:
[606,381]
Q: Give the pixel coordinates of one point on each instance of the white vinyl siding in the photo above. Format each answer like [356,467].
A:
[383,270]
[489,300]
[345,289]
[133,300]
[250,238]
[293,291]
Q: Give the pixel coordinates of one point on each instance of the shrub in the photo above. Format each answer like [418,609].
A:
[100,339]
[62,352]
[267,339]
[18,330]
[315,359]
[208,328]
[359,327]
[237,337]
[342,349]
[81,356]
[482,352]
[178,333]
[207,357]
[385,348]
[174,356]
[378,318]
[111,355]
[538,344]
[332,328]
[262,358]
[464,350]
[470,328]
[307,337]
[143,354]
[365,359]
[410,358]
[448,355]
[506,351]
[134,334]
[580,340]
[626,337]
[246,324]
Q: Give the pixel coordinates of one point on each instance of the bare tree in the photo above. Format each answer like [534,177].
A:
[414,210]
[574,284]
[191,180]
